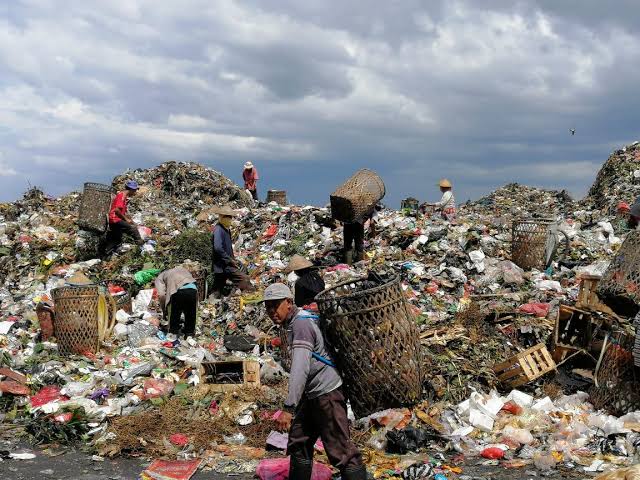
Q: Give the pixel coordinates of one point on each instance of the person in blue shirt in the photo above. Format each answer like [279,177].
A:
[225,267]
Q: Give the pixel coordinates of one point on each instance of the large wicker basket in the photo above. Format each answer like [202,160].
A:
[375,343]
[278,196]
[529,238]
[619,287]
[76,322]
[94,208]
[357,197]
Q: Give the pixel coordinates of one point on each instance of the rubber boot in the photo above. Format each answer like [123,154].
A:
[359,256]
[348,257]
[300,468]
[354,473]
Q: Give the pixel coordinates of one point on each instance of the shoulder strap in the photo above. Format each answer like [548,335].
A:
[304,314]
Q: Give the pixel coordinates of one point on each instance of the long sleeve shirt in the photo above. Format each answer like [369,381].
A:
[309,377]
[170,281]
[447,200]
[222,250]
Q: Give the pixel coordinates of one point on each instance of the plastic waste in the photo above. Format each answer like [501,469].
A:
[145,276]
[492,453]
[278,469]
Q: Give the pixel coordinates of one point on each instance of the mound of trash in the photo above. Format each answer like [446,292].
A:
[617,181]
[479,316]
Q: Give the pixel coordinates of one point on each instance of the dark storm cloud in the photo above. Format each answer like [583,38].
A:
[481,92]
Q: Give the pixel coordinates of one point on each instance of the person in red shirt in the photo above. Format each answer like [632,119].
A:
[120,223]
[250,177]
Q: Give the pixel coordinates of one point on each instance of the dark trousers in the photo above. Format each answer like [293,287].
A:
[354,235]
[324,417]
[239,280]
[114,236]
[183,301]
[254,194]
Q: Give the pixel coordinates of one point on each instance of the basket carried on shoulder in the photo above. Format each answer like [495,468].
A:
[619,287]
[94,207]
[375,344]
[356,198]
[76,323]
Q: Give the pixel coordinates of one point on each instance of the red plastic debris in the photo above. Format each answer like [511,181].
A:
[179,439]
[63,417]
[271,231]
[492,453]
[276,342]
[172,469]
[537,309]
[512,407]
[214,408]
[278,469]
[47,395]
[155,388]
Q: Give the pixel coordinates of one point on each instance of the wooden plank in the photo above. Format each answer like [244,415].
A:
[510,374]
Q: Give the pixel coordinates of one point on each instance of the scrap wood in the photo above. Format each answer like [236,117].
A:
[443,335]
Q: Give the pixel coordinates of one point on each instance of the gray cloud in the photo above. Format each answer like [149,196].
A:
[483,93]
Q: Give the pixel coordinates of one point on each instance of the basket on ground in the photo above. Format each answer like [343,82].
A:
[76,321]
[278,196]
[94,207]
[357,197]
[374,342]
[620,284]
[534,242]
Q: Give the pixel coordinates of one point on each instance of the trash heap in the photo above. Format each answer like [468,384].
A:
[474,308]
[617,181]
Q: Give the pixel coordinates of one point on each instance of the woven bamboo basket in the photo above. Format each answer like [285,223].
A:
[375,344]
[356,198]
[76,322]
[278,196]
[94,207]
[201,283]
[529,243]
[619,287]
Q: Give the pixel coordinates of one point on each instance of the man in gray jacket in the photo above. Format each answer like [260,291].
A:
[315,395]
[178,294]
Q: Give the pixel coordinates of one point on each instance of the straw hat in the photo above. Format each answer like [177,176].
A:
[248,166]
[444,183]
[224,210]
[297,263]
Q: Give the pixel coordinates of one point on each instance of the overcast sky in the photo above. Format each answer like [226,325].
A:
[483,93]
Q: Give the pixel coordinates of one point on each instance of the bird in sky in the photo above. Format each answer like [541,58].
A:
[573,131]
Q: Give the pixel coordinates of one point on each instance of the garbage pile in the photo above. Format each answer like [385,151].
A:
[475,310]
[617,181]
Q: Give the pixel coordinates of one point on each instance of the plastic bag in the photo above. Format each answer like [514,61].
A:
[538,309]
[155,388]
[278,469]
[407,440]
[492,453]
[145,276]
[142,300]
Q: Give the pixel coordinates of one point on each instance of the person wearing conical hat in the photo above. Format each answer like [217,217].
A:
[309,282]
[250,177]
[447,204]
[225,266]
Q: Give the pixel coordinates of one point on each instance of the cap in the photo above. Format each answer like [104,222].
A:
[297,262]
[248,166]
[444,183]
[131,185]
[277,291]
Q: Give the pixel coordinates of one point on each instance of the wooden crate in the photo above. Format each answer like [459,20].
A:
[239,373]
[525,366]
[587,296]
